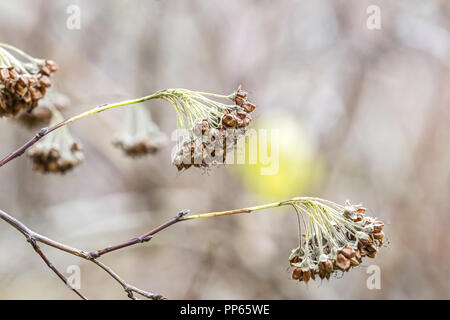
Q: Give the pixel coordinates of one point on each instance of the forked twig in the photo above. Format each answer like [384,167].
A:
[33,238]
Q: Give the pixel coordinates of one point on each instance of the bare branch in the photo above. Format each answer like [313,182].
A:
[33,238]
[51,266]
[141,239]
[129,289]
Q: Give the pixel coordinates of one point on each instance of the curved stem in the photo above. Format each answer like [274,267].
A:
[44,131]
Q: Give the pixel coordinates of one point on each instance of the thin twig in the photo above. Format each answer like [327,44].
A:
[51,266]
[33,238]
[141,239]
[129,289]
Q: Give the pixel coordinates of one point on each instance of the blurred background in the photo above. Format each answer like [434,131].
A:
[363,115]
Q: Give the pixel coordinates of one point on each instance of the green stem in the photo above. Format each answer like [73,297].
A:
[111,106]
[248,210]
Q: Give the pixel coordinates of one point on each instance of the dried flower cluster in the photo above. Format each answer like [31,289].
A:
[141,136]
[336,238]
[214,132]
[22,84]
[56,153]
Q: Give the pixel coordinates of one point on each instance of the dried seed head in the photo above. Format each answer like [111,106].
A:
[336,237]
[22,84]
[57,152]
[141,136]
[216,133]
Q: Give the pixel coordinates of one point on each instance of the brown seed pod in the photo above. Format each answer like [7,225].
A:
[241,93]
[44,81]
[354,262]
[249,107]
[35,93]
[229,120]
[297,273]
[364,252]
[45,71]
[239,100]
[23,81]
[52,65]
[322,274]
[4,74]
[20,90]
[241,114]
[358,254]
[379,235]
[348,252]
[378,226]
[306,276]
[342,262]
[13,75]
[328,266]
[322,265]
[295,259]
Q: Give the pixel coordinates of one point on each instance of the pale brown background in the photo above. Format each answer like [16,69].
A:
[374,104]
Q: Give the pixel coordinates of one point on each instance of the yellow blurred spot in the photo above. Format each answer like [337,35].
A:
[299,166]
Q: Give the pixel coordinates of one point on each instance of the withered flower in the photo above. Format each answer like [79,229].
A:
[213,127]
[58,152]
[141,136]
[335,238]
[22,84]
